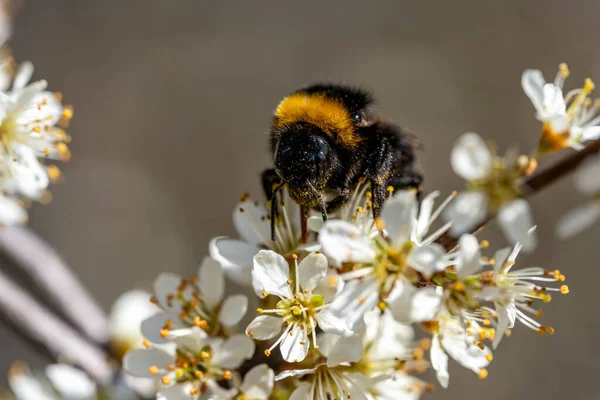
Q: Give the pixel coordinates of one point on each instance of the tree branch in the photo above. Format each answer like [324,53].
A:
[539,181]
[49,334]
[55,278]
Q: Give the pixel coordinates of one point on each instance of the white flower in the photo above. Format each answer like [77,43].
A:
[587,181]
[493,188]
[379,273]
[567,121]
[450,338]
[64,382]
[252,221]
[125,319]
[195,302]
[300,307]
[30,127]
[333,380]
[513,292]
[390,349]
[194,367]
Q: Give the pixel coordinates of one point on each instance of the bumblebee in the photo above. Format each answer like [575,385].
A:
[327,138]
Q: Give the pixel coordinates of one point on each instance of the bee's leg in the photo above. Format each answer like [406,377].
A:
[271,185]
[269,179]
[342,197]
[379,195]
[409,180]
[304,223]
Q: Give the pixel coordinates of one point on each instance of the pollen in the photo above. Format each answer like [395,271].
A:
[179,373]
[227,374]
[153,370]
[295,256]
[146,343]
[564,289]
[205,355]
[382,305]
[489,357]
[485,244]
[267,352]
[390,189]
[563,68]
[165,380]
[194,391]
[200,323]
[289,281]
[259,310]
[164,333]
[483,373]
[53,172]
[379,223]
[199,374]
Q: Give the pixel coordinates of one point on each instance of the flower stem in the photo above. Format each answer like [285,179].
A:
[538,181]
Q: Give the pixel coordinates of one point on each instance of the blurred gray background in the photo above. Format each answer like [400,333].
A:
[173,99]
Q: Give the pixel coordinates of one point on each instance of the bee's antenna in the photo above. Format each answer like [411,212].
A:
[319,198]
[274,208]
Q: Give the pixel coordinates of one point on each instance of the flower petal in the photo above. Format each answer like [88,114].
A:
[11,212]
[258,383]
[264,327]
[533,83]
[235,256]
[427,259]
[409,304]
[470,158]
[577,220]
[271,272]
[345,349]
[439,362]
[469,257]
[302,392]
[591,133]
[400,216]
[500,258]
[179,391]
[233,310]
[165,286]
[463,351]
[138,361]
[516,221]
[126,316]
[234,351]
[503,323]
[294,346]
[152,326]
[342,241]
[294,373]
[26,387]
[250,221]
[211,281]
[70,382]
[466,211]
[330,286]
[587,176]
[311,271]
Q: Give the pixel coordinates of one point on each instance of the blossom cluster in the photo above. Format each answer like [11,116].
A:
[32,122]
[337,310]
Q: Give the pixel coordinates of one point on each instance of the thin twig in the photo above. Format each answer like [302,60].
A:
[55,278]
[56,338]
[539,181]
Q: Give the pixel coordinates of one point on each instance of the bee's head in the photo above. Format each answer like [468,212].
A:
[303,160]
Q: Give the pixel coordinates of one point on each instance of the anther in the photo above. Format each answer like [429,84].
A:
[564,289]
[289,281]
[153,370]
[165,380]
[199,374]
[146,343]
[489,357]
[483,373]
[484,244]
[227,374]
[179,373]
[259,310]
[194,391]
[205,355]
[563,68]
[295,256]
[268,353]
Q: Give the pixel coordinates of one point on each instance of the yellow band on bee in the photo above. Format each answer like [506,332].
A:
[326,114]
